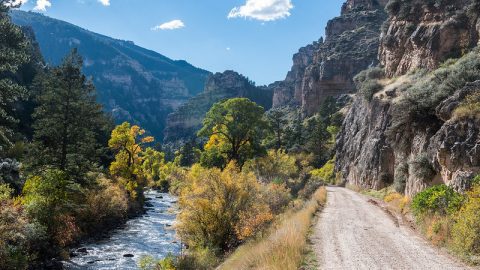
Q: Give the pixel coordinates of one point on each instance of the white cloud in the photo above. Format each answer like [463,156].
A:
[263,10]
[15,3]
[171,25]
[105,2]
[42,5]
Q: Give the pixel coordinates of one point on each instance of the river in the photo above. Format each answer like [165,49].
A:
[151,234]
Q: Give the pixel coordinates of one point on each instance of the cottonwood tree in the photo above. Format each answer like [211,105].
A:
[127,141]
[235,129]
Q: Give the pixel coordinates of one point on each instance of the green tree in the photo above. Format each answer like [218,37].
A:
[316,141]
[235,129]
[69,124]
[278,123]
[188,154]
[13,54]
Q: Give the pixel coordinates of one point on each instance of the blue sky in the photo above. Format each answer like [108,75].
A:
[258,40]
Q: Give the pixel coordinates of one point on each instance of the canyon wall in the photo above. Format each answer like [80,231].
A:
[327,67]
[433,146]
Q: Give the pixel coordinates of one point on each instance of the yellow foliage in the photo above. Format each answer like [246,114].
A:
[469,108]
[252,220]
[219,208]
[466,230]
[127,142]
[276,166]
[393,196]
[326,173]
[283,248]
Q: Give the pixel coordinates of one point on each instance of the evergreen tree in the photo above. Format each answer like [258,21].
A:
[69,123]
[13,53]
[278,122]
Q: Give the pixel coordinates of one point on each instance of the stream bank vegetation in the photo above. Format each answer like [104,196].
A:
[251,189]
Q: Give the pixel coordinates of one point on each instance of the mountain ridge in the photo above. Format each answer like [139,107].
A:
[133,83]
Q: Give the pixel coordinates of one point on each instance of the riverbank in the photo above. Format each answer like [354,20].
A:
[148,234]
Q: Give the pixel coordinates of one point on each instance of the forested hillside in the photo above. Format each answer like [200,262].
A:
[134,84]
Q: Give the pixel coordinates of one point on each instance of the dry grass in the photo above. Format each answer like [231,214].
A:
[285,245]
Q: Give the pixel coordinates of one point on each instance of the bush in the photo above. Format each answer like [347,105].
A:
[439,199]
[466,230]
[417,105]
[470,108]
[276,166]
[220,208]
[367,82]
[326,173]
[18,236]
[105,206]
[284,246]
[277,196]
[421,168]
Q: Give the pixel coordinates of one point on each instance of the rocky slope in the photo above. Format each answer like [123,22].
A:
[134,84]
[422,34]
[327,67]
[409,134]
[186,121]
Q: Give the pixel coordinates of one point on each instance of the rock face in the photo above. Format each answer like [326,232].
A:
[422,34]
[368,153]
[133,84]
[326,68]
[187,120]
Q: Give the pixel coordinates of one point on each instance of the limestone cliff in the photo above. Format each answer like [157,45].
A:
[327,67]
[409,134]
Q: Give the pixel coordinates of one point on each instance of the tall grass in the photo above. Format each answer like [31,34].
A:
[284,247]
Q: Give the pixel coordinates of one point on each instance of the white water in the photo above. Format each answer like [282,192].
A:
[151,234]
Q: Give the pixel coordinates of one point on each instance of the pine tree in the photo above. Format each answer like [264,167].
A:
[69,123]
[13,53]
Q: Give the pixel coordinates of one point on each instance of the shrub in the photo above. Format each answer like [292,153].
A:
[417,105]
[367,82]
[283,248]
[277,196]
[466,230]
[19,238]
[105,206]
[326,173]
[470,108]
[49,199]
[220,208]
[439,199]
[277,165]
[421,168]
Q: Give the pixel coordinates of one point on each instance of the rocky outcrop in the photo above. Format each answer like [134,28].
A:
[456,146]
[422,34]
[369,155]
[187,119]
[289,91]
[327,67]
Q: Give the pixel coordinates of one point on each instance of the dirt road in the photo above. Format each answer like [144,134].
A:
[352,233]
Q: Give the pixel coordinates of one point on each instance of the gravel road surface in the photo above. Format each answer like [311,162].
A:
[353,233]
